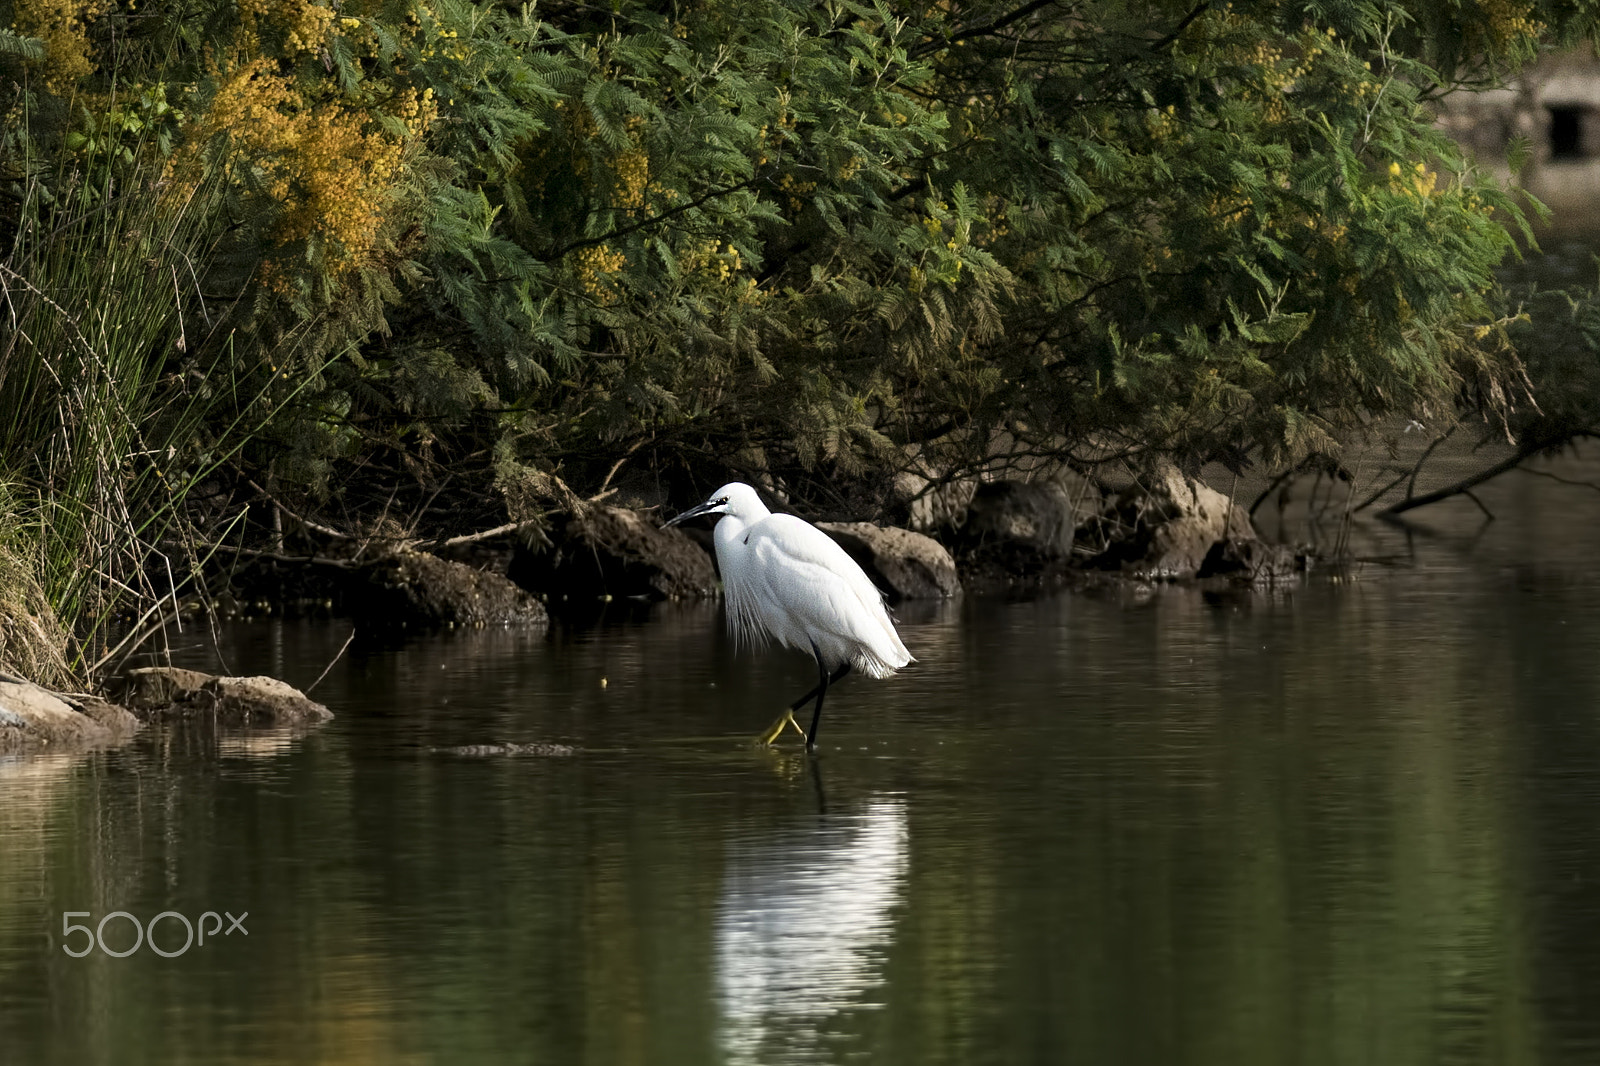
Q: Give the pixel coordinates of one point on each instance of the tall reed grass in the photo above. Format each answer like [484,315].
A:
[117,387]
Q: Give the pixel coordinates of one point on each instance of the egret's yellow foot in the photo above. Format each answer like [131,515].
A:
[773,732]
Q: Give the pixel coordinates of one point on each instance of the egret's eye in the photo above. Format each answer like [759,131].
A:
[719,501]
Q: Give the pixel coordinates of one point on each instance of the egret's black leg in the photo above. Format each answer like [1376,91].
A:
[812,694]
[786,719]
[822,690]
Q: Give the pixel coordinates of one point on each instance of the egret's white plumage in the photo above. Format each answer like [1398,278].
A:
[785,580]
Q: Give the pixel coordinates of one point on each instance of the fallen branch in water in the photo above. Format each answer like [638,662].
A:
[1473,496]
[1411,489]
[1466,484]
[1563,480]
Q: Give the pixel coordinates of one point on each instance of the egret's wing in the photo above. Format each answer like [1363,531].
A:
[802,542]
[801,572]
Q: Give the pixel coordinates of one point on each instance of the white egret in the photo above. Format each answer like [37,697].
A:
[784,579]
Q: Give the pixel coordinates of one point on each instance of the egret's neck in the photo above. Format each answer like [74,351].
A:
[729,529]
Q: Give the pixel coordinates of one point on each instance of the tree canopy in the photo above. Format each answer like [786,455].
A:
[822,244]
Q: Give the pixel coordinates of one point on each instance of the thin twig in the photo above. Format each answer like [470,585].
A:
[216,642]
[326,531]
[473,538]
[183,335]
[1342,541]
[1381,493]
[318,560]
[614,468]
[1460,487]
[335,659]
[1563,480]
[95,667]
[159,626]
[1227,519]
[1273,487]
[623,231]
[173,584]
[1412,487]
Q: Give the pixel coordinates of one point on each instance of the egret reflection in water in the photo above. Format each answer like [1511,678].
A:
[803,926]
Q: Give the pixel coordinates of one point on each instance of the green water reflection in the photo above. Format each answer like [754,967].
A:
[1354,824]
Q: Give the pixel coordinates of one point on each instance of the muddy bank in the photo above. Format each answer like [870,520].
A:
[1005,537]
[996,536]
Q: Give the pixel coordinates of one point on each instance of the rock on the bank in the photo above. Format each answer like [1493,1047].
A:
[1038,516]
[1163,529]
[171,692]
[1020,533]
[152,687]
[613,551]
[906,565]
[930,507]
[418,589]
[1253,562]
[36,719]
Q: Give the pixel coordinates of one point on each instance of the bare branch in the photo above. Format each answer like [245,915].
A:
[1380,494]
[1473,496]
[1412,487]
[1461,487]
[345,647]
[1563,480]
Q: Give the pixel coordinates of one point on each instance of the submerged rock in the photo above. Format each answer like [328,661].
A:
[418,589]
[906,565]
[257,701]
[1252,562]
[481,751]
[169,692]
[36,719]
[612,551]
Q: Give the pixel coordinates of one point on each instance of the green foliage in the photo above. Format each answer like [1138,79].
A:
[829,242]
[14,44]
[1559,336]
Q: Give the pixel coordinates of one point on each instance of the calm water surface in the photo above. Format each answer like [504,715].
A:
[1356,823]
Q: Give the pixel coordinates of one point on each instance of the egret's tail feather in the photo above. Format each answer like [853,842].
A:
[878,665]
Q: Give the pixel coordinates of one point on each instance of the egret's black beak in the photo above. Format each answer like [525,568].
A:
[693,512]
